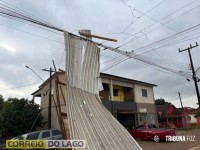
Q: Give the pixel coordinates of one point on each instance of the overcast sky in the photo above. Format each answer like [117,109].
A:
[142,22]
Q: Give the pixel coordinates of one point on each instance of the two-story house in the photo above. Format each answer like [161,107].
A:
[130,101]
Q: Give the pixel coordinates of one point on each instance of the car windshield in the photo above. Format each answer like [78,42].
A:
[142,127]
[152,126]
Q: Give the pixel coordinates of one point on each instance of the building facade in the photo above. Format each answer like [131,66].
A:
[131,102]
[194,120]
[178,116]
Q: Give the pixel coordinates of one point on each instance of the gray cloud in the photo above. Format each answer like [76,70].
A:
[101,17]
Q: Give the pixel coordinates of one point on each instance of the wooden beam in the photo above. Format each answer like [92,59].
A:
[61,83]
[64,114]
[98,37]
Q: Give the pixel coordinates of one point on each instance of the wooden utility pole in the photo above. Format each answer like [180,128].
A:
[50,88]
[183,112]
[59,113]
[193,71]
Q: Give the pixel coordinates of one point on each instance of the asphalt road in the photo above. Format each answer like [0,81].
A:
[181,145]
[188,144]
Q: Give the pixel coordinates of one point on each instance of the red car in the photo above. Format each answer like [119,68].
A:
[151,132]
[167,125]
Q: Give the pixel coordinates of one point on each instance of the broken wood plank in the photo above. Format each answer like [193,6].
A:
[98,37]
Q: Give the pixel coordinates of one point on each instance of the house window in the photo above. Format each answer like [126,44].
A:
[144,92]
[115,92]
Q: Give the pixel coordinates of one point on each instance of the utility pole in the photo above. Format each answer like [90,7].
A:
[50,87]
[183,113]
[193,71]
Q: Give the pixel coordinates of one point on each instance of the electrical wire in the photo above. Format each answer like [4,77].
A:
[161,41]
[37,35]
[12,7]
[185,6]
[23,17]
[133,56]
[20,86]
[137,18]
[113,65]
[20,16]
[143,14]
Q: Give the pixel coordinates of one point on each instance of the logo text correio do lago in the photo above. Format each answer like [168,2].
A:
[44,144]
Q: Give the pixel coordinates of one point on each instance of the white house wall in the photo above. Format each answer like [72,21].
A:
[138,94]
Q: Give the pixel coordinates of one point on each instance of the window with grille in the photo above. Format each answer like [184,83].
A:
[144,92]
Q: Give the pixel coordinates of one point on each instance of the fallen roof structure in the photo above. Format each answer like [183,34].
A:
[88,118]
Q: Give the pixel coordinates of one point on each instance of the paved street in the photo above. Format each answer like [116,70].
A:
[184,145]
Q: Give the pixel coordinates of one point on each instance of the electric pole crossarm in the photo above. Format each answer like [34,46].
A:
[193,46]
[183,50]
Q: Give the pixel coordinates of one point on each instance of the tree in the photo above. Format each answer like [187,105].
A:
[17,116]
[161,101]
[1,101]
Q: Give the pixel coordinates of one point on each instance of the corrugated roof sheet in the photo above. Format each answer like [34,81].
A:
[88,118]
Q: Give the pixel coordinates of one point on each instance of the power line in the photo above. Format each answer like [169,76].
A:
[114,64]
[30,24]
[19,10]
[137,18]
[20,86]
[24,17]
[132,55]
[170,37]
[37,35]
[161,20]
[20,16]
[51,39]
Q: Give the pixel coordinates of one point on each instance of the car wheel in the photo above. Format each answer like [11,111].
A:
[156,138]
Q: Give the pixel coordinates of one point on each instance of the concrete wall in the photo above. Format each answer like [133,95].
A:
[193,119]
[141,107]
[120,96]
[148,110]
[134,91]
[45,102]
[138,94]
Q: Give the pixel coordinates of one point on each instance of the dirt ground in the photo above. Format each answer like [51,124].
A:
[180,145]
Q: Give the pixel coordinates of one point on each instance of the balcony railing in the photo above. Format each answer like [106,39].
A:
[124,99]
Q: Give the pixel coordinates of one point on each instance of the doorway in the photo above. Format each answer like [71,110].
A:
[126,119]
